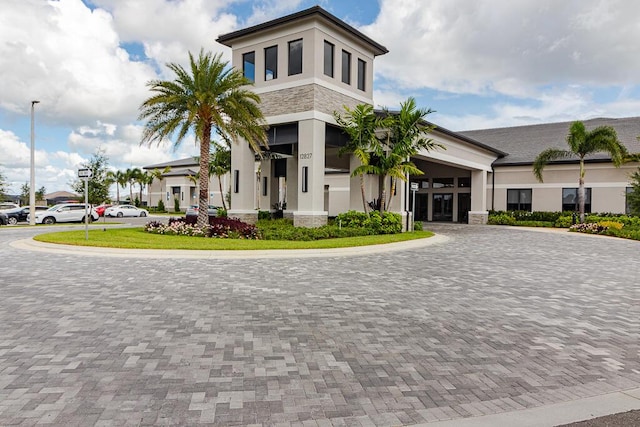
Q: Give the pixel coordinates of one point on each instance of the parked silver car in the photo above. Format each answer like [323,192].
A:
[66,212]
[193,210]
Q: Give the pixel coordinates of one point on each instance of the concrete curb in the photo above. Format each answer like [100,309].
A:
[32,245]
[553,415]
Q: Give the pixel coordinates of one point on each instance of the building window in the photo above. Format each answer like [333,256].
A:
[305,179]
[295,57]
[249,65]
[519,199]
[271,63]
[346,67]
[264,186]
[464,182]
[442,182]
[362,72]
[627,205]
[328,58]
[236,181]
[570,200]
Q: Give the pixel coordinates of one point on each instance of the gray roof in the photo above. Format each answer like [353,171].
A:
[524,143]
[226,39]
[180,172]
[189,161]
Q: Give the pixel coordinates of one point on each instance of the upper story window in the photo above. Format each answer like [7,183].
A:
[328,58]
[443,183]
[249,65]
[519,199]
[570,200]
[271,63]
[346,67]
[362,72]
[295,57]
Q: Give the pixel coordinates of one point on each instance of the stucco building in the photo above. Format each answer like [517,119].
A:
[309,65]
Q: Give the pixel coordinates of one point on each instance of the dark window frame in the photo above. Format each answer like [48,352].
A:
[252,78]
[346,73]
[521,204]
[627,206]
[295,60]
[574,206]
[329,59]
[267,61]
[362,74]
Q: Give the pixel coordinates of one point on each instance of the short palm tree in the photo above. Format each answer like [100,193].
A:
[360,124]
[156,174]
[583,143]
[219,165]
[404,136]
[210,96]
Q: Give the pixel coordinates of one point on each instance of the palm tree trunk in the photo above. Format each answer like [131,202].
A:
[203,200]
[391,191]
[224,205]
[383,196]
[581,191]
[364,198]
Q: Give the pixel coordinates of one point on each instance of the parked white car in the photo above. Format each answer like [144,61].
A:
[125,210]
[8,205]
[66,212]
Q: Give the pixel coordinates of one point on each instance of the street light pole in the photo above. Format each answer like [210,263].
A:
[32,186]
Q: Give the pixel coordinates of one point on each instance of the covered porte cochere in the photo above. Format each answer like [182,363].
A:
[454,186]
[309,182]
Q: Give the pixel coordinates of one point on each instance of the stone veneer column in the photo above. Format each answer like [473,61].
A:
[478,213]
[243,201]
[310,211]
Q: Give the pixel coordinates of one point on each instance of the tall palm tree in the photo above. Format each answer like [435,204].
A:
[360,124]
[211,96]
[132,176]
[119,178]
[582,143]
[404,136]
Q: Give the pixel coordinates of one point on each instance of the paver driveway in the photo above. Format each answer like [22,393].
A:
[493,320]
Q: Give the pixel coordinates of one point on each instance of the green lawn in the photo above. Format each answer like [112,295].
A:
[137,238]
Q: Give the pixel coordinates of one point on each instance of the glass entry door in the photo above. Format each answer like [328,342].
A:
[464,206]
[443,207]
[422,207]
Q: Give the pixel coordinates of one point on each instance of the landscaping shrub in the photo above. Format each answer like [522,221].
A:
[161,207]
[375,222]
[264,215]
[219,227]
[176,205]
[283,229]
[534,223]
[501,219]
[588,227]
[417,226]
[564,222]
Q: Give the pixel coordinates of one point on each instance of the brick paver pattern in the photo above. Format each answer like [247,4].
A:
[493,320]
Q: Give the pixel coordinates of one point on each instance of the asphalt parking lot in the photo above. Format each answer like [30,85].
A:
[492,321]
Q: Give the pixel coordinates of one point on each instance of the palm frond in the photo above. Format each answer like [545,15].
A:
[547,156]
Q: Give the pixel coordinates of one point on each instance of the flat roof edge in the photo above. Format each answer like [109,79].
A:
[226,39]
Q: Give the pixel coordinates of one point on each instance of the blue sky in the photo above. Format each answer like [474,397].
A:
[480,64]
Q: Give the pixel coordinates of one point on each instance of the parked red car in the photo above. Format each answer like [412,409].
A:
[100,209]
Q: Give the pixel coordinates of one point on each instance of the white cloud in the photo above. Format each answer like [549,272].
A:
[511,48]
[168,29]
